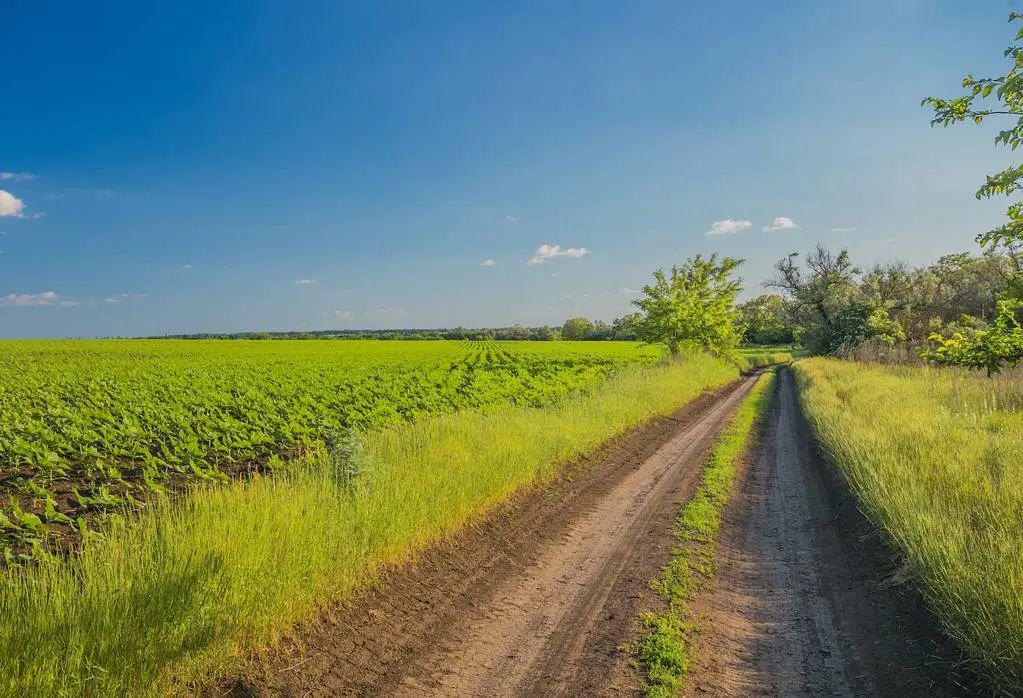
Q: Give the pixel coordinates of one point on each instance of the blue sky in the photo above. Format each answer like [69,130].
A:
[272,166]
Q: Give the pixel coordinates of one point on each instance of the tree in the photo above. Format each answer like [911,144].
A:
[624,328]
[1006,92]
[991,348]
[816,297]
[576,328]
[692,306]
[765,320]
[999,344]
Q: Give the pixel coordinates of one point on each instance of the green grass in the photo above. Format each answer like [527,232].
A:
[179,591]
[665,650]
[936,459]
[752,357]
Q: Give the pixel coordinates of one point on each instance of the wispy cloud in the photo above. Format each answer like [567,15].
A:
[728,227]
[842,230]
[306,282]
[117,298]
[780,223]
[344,314]
[511,219]
[30,300]
[629,291]
[186,266]
[10,205]
[545,252]
[488,263]
[17,177]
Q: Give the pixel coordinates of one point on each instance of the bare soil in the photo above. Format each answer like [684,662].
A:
[808,599]
[535,599]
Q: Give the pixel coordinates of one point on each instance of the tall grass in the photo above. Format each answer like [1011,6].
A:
[758,357]
[936,458]
[178,592]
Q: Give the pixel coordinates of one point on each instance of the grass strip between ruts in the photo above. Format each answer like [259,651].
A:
[665,650]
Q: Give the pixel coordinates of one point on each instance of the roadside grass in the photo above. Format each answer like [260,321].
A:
[665,651]
[164,600]
[753,357]
[936,459]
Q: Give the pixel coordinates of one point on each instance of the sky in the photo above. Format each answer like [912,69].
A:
[243,165]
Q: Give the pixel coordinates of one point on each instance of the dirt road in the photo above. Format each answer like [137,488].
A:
[535,600]
[539,598]
[808,600]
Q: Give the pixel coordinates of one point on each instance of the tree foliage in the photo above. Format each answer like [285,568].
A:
[836,305]
[984,98]
[766,320]
[693,305]
[991,348]
[987,97]
[576,328]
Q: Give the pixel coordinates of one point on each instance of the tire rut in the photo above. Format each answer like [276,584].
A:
[803,601]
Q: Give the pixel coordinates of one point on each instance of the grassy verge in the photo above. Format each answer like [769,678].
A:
[665,650]
[758,357]
[936,459]
[177,593]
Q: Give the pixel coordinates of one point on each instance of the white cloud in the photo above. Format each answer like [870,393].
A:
[17,177]
[306,282]
[344,314]
[10,205]
[186,266]
[511,219]
[545,252]
[629,291]
[727,227]
[488,263]
[27,300]
[780,223]
[117,298]
[842,230]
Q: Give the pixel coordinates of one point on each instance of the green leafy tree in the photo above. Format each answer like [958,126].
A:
[817,295]
[986,98]
[765,320]
[692,306]
[991,348]
[999,96]
[577,328]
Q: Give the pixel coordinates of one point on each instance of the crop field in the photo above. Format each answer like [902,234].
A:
[87,426]
[934,456]
[309,466]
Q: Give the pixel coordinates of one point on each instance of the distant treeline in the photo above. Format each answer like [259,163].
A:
[573,329]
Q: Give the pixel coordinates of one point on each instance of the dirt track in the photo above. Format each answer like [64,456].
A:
[808,600]
[535,599]
[539,598]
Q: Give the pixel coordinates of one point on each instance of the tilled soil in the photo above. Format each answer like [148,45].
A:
[808,599]
[535,599]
